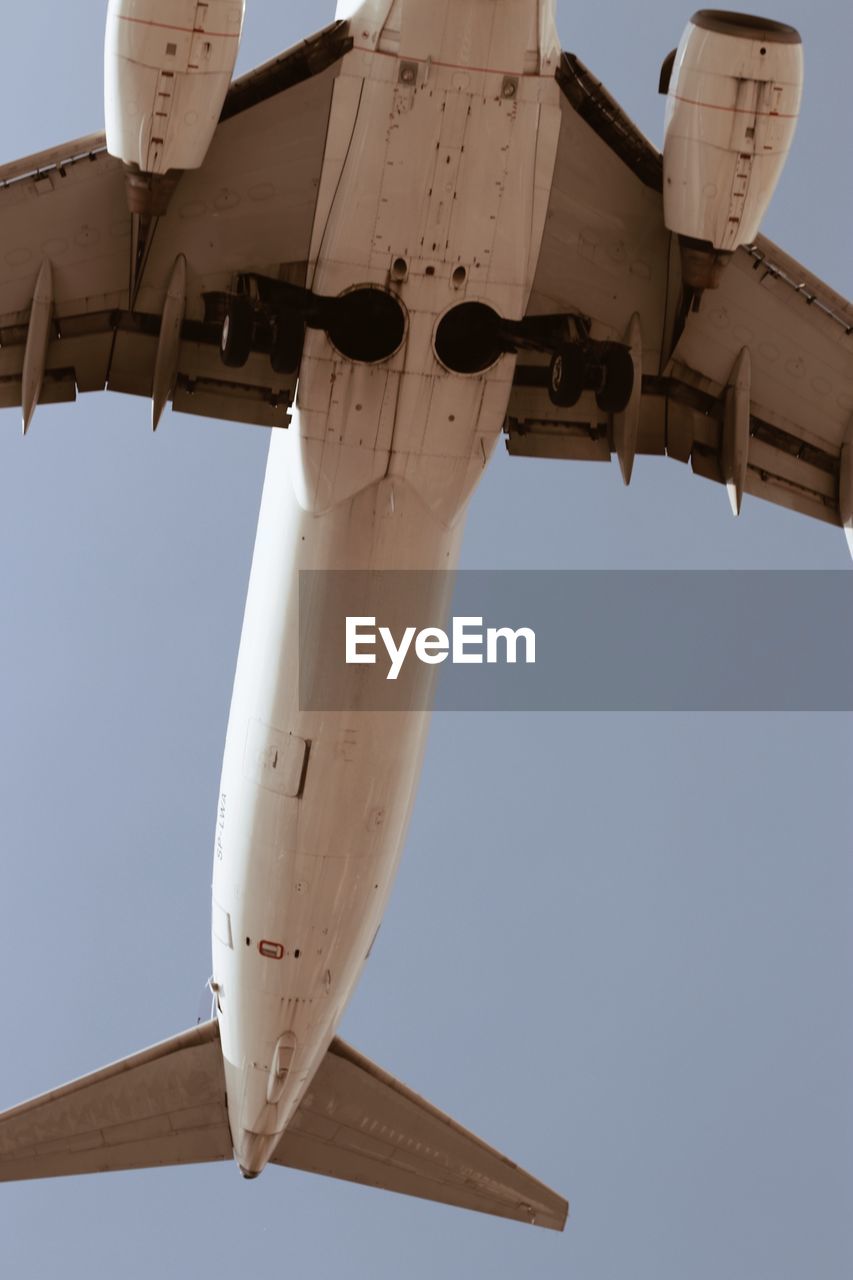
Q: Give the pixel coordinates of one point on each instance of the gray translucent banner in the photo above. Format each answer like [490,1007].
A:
[604,640]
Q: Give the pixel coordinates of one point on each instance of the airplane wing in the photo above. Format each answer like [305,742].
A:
[166,1106]
[759,380]
[68,243]
[754,389]
[360,1124]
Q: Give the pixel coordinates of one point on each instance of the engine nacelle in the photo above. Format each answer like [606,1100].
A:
[167,68]
[732,107]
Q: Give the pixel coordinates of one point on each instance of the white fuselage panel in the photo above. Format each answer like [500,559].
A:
[442,172]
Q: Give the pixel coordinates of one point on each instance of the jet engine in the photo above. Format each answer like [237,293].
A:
[167,68]
[733,98]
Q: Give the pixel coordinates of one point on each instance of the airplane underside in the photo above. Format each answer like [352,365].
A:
[386,445]
[401,398]
[422,228]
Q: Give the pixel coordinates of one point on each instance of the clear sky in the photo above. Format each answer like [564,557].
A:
[619,947]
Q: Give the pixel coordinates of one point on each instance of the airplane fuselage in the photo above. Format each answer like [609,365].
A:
[439,157]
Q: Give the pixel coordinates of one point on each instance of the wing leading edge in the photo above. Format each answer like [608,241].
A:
[166,1106]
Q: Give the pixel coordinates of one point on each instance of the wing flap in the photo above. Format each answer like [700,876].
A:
[73,212]
[163,1106]
[359,1124]
[800,338]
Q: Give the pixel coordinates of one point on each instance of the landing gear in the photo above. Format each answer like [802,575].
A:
[366,324]
[266,314]
[618,380]
[237,330]
[567,375]
[603,367]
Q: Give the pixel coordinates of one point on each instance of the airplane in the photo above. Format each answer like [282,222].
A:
[363,286]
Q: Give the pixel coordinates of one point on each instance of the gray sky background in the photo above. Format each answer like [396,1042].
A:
[620,946]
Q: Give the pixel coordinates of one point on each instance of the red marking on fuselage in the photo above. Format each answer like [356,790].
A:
[742,111]
[189,31]
[271,950]
[452,66]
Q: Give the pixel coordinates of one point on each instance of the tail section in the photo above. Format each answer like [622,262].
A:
[166,1106]
[358,1123]
[163,1106]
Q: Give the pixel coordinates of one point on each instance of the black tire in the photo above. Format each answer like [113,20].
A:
[566,375]
[618,381]
[235,344]
[288,336]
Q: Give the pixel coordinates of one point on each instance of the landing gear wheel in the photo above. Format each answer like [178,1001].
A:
[618,384]
[288,336]
[566,375]
[235,344]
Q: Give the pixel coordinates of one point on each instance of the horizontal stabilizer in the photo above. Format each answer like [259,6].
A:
[358,1123]
[163,1106]
[166,1106]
